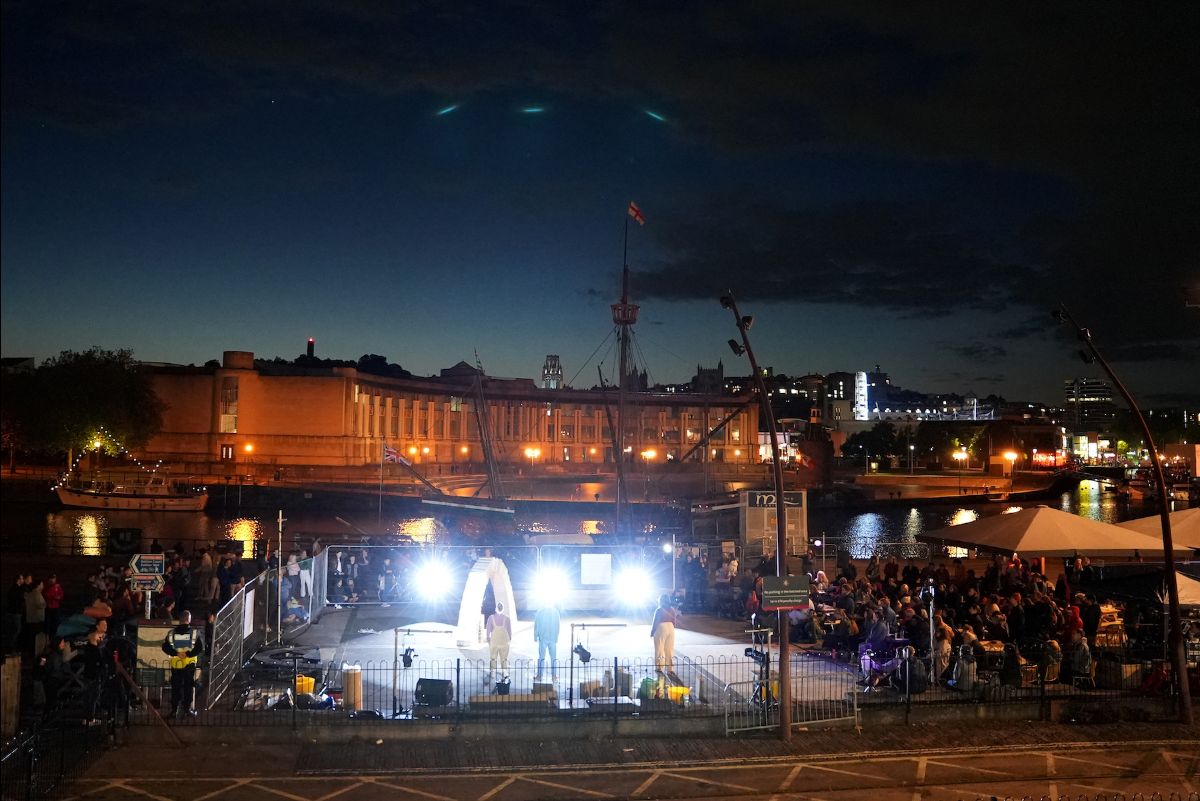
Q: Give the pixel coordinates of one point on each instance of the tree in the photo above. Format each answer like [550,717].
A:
[75,399]
[879,440]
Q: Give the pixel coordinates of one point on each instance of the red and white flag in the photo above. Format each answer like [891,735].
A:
[393,456]
[636,213]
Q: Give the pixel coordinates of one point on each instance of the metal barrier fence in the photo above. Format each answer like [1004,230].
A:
[394,573]
[253,618]
[735,688]
[242,626]
[41,762]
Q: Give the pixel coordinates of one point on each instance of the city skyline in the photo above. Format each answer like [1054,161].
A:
[425,184]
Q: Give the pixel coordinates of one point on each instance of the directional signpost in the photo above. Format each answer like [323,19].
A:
[781,593]
[148,571]
[149,564]
[146,583]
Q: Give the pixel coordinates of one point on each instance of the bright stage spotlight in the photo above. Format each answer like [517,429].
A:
[432,580]
[633,587]
[550,585]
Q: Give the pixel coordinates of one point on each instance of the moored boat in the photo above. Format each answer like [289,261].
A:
[152,494]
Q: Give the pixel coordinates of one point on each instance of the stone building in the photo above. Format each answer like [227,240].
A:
[248,412]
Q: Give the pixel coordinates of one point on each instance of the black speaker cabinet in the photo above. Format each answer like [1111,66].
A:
[434,692]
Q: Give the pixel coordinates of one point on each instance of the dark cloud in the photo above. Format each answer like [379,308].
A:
[909,258]
[1187,352]
[980,352]
[1191,399]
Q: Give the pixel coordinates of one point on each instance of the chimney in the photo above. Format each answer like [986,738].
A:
[311,346]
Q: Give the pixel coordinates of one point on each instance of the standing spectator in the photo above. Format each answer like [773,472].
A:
[1089,613]
[499,635]
[35,615]
[546,625]
[52,591]
[51,670]
[226,577]
[14,613]
[662,632]
[92,658]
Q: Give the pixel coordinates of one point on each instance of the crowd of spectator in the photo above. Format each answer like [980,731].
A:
[938,608]
[73,637]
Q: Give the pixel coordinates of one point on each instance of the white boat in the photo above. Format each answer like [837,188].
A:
[151,494]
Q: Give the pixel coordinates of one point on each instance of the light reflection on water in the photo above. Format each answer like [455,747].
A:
[244,530]
[87,531]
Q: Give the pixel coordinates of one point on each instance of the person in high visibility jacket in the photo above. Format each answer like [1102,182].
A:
[185,646]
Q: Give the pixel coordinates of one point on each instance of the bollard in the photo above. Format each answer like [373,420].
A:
[295,691]
[616,683]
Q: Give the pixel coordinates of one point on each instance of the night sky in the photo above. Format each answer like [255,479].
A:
[913,187]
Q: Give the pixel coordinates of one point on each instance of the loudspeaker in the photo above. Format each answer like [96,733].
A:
[434,692]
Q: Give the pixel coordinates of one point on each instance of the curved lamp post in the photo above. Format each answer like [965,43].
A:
[1175,629]
[785,667]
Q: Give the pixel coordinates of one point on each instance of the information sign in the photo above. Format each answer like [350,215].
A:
[149,564]
[146,583]
[784,593]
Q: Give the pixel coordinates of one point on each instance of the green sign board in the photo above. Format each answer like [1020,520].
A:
[783,593]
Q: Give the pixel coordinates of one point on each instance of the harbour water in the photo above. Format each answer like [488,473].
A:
[40,528]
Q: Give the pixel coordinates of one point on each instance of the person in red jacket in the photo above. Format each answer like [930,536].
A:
[52,591]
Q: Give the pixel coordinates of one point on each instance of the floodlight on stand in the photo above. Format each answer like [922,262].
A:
[747,321]
[633,587]
[759,657]
[407,656]
[432,579]
[550,585]
[726,301]
[584,654]
[737,349]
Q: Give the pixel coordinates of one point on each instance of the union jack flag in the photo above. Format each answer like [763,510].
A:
[394,456]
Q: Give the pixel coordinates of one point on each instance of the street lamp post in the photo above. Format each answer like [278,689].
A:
[911,449]
[1175,627]
[785,657]
[959,456]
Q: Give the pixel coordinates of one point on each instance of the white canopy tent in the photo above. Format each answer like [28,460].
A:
[1042,531]
[1185,526]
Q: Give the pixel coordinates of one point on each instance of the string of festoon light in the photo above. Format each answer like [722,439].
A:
[122,450]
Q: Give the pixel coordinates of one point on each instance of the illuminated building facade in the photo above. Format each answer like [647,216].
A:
[256,413]
[1090,405]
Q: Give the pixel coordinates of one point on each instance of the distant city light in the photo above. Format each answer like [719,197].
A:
[532,110]
[654,115]
[443,112]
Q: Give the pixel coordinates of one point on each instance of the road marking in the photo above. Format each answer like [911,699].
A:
[644,786]
[1169,758]
[558,786]
[497,788]
[413,790]
[1094,763]
[967,767]
[791,777]
[336,793]
[282,793]
[225,789]
[147,793]
[741,787]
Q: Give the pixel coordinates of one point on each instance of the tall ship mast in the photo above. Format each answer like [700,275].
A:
[624,315]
